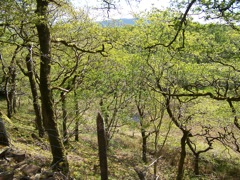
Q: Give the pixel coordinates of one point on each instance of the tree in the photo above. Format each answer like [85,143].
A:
[3,133]
[20,33]
[49,121]
[218,77]
[114,95]
[31,74]
[10,75]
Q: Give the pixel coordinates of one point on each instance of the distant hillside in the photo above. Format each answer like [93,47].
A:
[118,22]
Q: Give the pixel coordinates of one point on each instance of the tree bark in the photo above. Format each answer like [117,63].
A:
[196,164]
[144,145]
[9,105]
[10,85]
[106,120]
[77,116]
[143,133]
[36,106]
[155,151]
[10,89]
[182,156]
[197,153]
[102,147]
[58,151]
[3,134]
[65,114]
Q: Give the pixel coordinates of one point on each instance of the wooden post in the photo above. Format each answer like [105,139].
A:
[102,147]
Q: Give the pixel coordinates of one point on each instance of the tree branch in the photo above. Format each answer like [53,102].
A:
[69,44]
[183,19]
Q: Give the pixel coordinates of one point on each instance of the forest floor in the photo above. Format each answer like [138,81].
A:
[124,155]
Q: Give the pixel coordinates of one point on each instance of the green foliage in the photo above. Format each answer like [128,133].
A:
[111,69]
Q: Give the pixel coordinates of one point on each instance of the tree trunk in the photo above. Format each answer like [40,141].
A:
[196,164]
[10,85]
[77,116]
[144,145]
[143,133]
[102,147]
[155,152]
[8,98]
[182,156]
[3,134]
[58,151]
[36,106]
[141,174]
[64,124]
[106,120]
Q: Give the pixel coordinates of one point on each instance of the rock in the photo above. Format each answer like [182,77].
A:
[6,175]
[51,178]
[18,157]
[45,175]
[4,152]
[8,152]
[141,174]
[20,165]
[2,162]
[31,169]
[37,176]
[59,176]
[25,178]
[3,165]
[3,134]
[34,136]
[5,118]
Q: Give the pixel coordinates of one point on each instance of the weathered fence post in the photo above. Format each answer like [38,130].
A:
[102,147]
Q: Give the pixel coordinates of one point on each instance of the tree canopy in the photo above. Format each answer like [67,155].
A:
[164,84]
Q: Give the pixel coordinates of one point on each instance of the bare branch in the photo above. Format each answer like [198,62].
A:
[60,88]
[69,44]
[183,20]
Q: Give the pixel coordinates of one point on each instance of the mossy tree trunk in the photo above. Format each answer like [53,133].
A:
[64,116]
[144,145]
[184,138]
[182,155]
[196,153]
[144,133]
[11,90]
[58,151]
[3,134]
[77,116]
[10,85]
[33,85]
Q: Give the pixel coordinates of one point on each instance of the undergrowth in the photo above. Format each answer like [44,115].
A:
[124,153]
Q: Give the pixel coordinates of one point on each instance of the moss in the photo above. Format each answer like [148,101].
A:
[5,118]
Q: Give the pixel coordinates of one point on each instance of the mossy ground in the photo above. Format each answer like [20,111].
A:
[124,152]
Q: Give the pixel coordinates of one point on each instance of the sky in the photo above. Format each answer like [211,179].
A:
[123,9]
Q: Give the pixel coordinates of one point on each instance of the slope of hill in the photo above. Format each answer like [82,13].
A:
[118,22]
[124,154]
